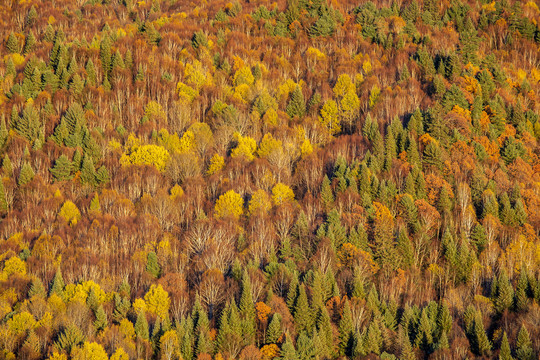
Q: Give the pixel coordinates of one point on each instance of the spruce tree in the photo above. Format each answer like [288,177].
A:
[3,200]
[101,319]
[88,172]
[505,353]
[12,44]
[524,349]
[521,301]
[152,265]
[288,352]
[346,330]
[57,286]
[29,43]
[26,175]
[327,196]
[141,326]
[297,104]
[504,294]
[247,310]
[481,341]
[302,312]
[37,289]
[273,332]
[62,168]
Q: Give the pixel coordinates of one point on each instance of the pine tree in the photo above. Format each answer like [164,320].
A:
[374,339]
[26,175]
[92,300]
[482,343]
[505,353]
[273,332]
[424,337]
[88,172]
[288,352]
[247,310]
[524,349]
[37,289]
[29,43]
[327,196]
[346,330]
[62,168]
[297,104]
[3,201]
[57,286]
[141,326]
[12,44]
[152,265]
[521,301]
[505,293]
[302,312]
[101,319]
[69,338]
[105,55]
[91,77]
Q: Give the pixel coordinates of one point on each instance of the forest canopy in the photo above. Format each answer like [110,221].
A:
[297,179]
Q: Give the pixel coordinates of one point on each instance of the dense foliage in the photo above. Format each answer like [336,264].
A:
[300,179]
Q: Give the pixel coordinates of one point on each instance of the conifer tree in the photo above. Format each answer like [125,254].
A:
[481,341]
[37,289]
[521,301]
[247,310]
[57,286]
[62,168]
[273,332]
[29,43]
[26,175]
[302,312]
[297,104]
[3,200]
[101,319]
[152,265]
[505,353]
[327,196]
[374,339]
[12,44]
[346,330]
[504,294]
[524,349]
[288,352]
[91,77]
[141,326]
[88,172]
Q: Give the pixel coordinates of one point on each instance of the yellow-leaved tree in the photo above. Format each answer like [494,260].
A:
[70,213]
[245,147]
[157,301]
[229,205]
[260,203]
[89,351]
[282,193]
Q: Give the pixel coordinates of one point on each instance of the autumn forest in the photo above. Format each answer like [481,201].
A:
[257,180]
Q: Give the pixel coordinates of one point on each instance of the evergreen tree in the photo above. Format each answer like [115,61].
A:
[101,319]
[141,326]
[327,195]
[26,175]
[288,352]
[297,104]
[247,310]
[521,301]
[346,330]
[3,200]
[29,43]
[524,349]
[152,265]
[273,332]
[504,293]
[302,312]
[374,339]
[37,289]
[12,44]
[481,341]
[62,168]
[57,286]
[505,353]
[88,172]
[305,348]
[91,77]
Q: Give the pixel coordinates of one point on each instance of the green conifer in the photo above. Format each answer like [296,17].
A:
[346,330]
[505,353]
[101,319]
[524,349]
[37,289]
[26,175]
[12,44]
[152,265]
[62,168]
[297,104]
[141,326]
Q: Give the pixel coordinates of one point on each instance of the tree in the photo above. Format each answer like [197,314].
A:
[274,332]
[69,338]
[330,117]
[281,193]
[62,169]
[101,319]
[92,351]
[26,175]
[504,296]
[346,330]
[505,354]
[302,311]
[229,205]
[157,301]
[524,349]
[3,201]
[297,104]
[12,44]
[141,326]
